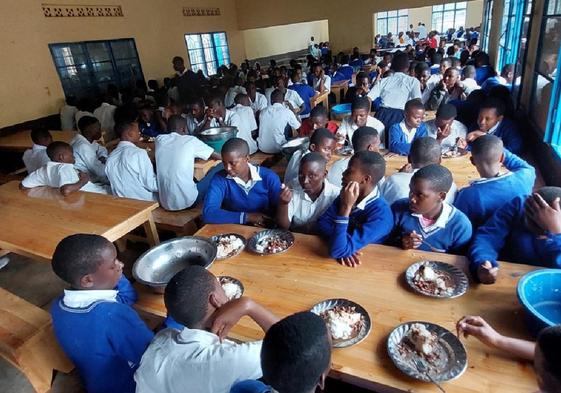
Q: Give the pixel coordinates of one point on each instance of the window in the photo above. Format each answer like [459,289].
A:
[207,51]
[545,105]
[86,68]
[448,16]
[392,22]
[488,18]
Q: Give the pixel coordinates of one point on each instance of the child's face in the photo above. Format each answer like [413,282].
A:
[245,101]
[423,199]
[94,130]
[423,77]
[360,116]
[354,173]
[107,274]
[134,133]
[325,147]
[414,117]
[444,66]
[488,118]
[311,176]
[363,83]
[234,163]
[450,78]
[146,115]
[197,111]
[66,156]
[443,123]
[318,122]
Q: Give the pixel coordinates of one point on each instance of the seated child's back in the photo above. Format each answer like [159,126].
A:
[273,123]
[90,155]
[93,321]
[36,157]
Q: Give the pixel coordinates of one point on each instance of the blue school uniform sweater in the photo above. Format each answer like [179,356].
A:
[105,340]
[343,73]
[347,235]
[306,93]
[226,202]
[505,237]
[398,140]
[484,196]
[510,135]
[453,237]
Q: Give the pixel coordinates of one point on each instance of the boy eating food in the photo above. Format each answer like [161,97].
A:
[412,127]
[360,117]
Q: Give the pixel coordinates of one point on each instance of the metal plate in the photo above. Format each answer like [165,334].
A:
[453,357]
[458,277]
[345,151]
[457,154]
[235,281]
[216,238]
[262,236]
[332,303]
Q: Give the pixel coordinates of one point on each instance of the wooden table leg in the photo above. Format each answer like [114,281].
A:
[151,231]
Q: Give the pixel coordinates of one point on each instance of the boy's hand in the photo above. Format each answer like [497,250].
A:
[461,143]
[474,135]
[486,273]
[258,219]
[413,240]
[478,328]
[285,195]
[545,217]
[407,168]
[443,133]
[349,196]
[228,315]
[83,177]
[352,261]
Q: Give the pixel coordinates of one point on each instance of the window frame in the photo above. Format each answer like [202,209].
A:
[488,19]
[214,58]
[444,11]
[387,18]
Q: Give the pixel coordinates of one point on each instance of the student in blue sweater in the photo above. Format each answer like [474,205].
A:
[426,215]
[93,321]
[412,127]
[241,193]
[359,216]
[495,188]
[526,230]
[305,91]
[491,120]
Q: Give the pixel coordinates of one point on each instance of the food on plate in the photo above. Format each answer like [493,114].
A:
[228,245]
[419,341]
[452,153]
[231,289]
[431,281]
[343,322]
[272,245]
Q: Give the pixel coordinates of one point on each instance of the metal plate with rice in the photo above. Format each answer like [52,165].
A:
[225,280]
[456,279]
[330,304]
[216,240]
[454,153]
[452,356]
[260,241]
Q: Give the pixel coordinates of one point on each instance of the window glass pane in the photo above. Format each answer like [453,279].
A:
[402,24]
[437,8]
[98,51]
[392,25]
[211,68]
[449,6]
[392,13]
[193,41]
[382,14]
[382,26]
[541,99]
[547,59]
[206,40]
[123,49]
[460,18]
[437,21]
[403,12]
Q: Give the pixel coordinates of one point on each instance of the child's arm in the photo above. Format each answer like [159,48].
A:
[398,143]
[129,336]
[436,96]
[480,329]
[283,220]
[516,164]
[68,189]
[547,218]
[125,291]
[212,208]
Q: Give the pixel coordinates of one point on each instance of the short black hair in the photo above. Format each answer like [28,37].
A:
[424,151]
[39,133]
[372,163]
[494,103]
[549,193]
[421,67]
[86,121]
[175,122]
[487,148]
[400,62]
[360,103]
[437,175]
[187,294]
[296,351]
[122,127]
[236,145]
[469,70]
[313,157]
[78,255]
[446,111]
[178,58]
[239,97]
[318,111]
[361,75]
[126,113]
[277,96]
[549,343]
[216,100]
[414,104]
[362,137]
[319,135]
[55,148]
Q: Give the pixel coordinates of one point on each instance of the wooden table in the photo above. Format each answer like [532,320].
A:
[321,98]
[21,140]
[339,89]
[304,275]
[35,220]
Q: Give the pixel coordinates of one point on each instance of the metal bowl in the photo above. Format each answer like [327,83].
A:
[256,239]
[158,265]
[292,146]
[217,136]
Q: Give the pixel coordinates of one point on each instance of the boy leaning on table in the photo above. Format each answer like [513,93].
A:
[359,216]
[93,321]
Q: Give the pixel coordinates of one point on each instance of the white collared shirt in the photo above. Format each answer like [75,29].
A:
[68,117]
[348,127]
[87,157]
[195,361]
[290,95]
[243,118]
[303,212]
[396,90]
[82,299]
[397,187]
[409,134]
[35,157]
[293,167]
[260,102]
[374,194]
[231,95]
[175,161]
[494,128]
[272,124]
[58,174]
[458,130]
[193,125]
[131,173]
[440,222]
[106,116]
[254,177]
[470,85]
[432,82]
[326,83]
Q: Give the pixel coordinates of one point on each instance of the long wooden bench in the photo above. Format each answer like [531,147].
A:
[28,342]
[184,222]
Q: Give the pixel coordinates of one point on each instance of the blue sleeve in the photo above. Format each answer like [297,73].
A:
[130,335]
[126,293]
[397,141]
[374,230]
[461,236]
[520,168]
[511,138]
[551,249]
[212,209]
[250,386]
[465,201]
[274,189]
[421,131]
[490,238]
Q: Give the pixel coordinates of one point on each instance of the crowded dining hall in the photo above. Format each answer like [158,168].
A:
[290,197]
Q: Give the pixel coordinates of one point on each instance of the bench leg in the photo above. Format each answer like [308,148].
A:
[151,232]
